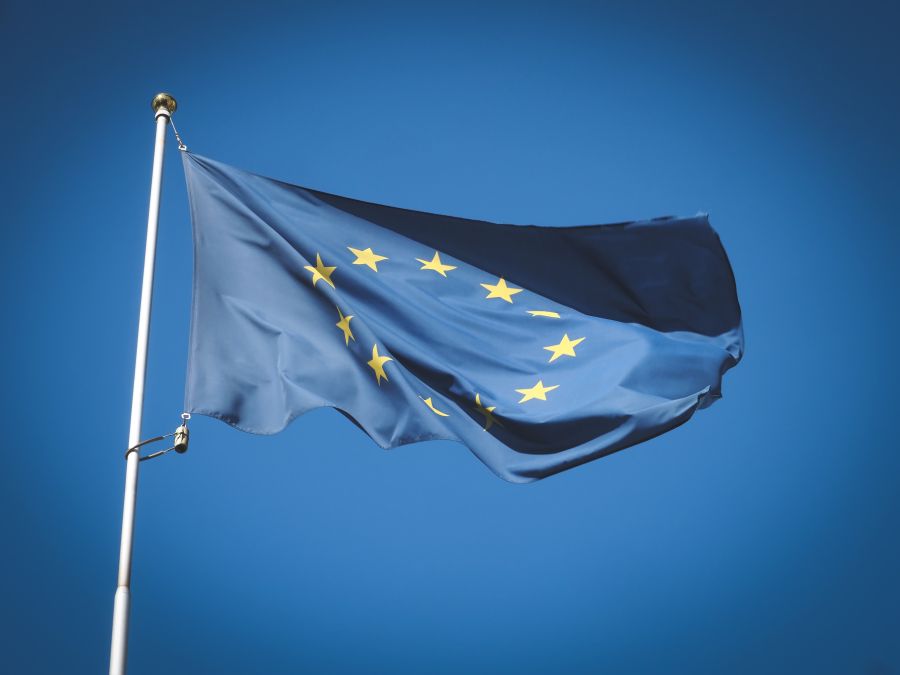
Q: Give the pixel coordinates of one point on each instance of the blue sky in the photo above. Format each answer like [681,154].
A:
[760,537]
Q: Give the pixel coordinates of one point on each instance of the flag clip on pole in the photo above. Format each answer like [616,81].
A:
[163,106]
[181,437]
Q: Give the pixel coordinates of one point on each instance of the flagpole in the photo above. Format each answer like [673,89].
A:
[163,106]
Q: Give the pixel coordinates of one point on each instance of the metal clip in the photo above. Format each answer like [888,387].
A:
[180,443]
[182,435]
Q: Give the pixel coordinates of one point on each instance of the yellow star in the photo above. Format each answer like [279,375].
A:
[487,411]
[366,257]
[433,409]
[377,364]
[344,325]
[501,290]
[436,265]
[566,347]
[320,272]
[538,391]
[543,312]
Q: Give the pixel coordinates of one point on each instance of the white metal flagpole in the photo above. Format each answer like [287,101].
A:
[163,106]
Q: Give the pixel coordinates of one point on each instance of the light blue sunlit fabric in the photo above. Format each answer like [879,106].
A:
[540,348]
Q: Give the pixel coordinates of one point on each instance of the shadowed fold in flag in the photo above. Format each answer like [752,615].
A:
[539,348]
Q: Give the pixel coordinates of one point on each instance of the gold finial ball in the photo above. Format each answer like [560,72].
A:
[164,100]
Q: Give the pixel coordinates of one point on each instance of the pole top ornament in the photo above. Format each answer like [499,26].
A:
[164,100]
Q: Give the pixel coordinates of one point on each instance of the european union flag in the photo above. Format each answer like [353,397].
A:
[540,348]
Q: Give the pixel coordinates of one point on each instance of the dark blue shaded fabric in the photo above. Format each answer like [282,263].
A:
[652,305]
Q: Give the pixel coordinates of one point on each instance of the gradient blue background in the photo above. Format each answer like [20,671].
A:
[762,537]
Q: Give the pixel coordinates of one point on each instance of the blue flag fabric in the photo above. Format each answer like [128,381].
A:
[540,348]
